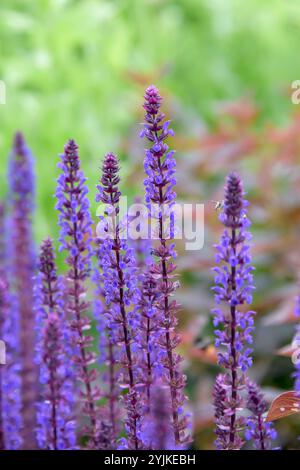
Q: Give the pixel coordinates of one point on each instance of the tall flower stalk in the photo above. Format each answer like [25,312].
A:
[148,336]
[118,277]
[220,401]
[148,332]
[56,428]
[109,358]
[160,167]
[10,380]
[22,263]
[258,431]
[234,327]
[157,425]
[76,239]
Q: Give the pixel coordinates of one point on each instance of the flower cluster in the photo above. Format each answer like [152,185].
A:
[221,405]
[55,426]
[258,431]
[61,348]
[234,326]
[10,381]
[21,269]
[157,427]
[160,168]
[148,331]
[75,238]
[109,357]
[148,337]
[118,276]
[10,397]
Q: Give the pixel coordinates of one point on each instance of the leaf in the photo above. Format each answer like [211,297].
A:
[286,351]
[286,404]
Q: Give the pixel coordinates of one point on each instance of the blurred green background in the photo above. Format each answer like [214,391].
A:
[78,69]
[75,68]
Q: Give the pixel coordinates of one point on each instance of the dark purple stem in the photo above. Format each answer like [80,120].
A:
[78,326]
[47,267]
[167,312]
[112,388]
[117,248]
[233,348]
[261,433]
[51,345]
[149,365]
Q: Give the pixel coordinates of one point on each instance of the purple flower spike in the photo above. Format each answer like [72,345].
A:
[76,238]
[148,332]
[10,380]
[56,429]
[258,431]
[119,280]
[148,336]
[160,167]
[22,264]
[157,429]
[108,356]
[234,285]
[221,403]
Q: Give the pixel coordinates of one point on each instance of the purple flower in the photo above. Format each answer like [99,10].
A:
[109,357]
[157,429]
[76,239]
[119,283]
[56,428]
[258,431]
[159,165]
[234,326]
[148,337]
[148,331]
[21,270]
[10,380]
[222,417]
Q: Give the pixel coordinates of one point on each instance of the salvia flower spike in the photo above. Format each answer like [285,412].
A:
[157,426]
[234,327]
[21,205]
[10,380]
[118,272]
[108,356]
[148,333]
[56,427]
[159,165]
[148,336]
[220,403]
[260,433]
[75,238]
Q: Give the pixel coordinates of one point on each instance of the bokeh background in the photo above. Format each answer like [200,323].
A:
[75,68]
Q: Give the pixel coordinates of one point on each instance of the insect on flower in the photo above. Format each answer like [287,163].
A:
[218,205]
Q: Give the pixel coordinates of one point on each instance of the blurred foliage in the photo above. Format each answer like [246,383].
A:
[77,68]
